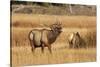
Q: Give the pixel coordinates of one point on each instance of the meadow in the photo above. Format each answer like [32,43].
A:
[21,53]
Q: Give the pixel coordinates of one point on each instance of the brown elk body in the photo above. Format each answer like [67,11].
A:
[44,37]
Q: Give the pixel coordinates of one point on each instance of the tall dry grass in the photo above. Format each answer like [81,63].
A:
[23,56]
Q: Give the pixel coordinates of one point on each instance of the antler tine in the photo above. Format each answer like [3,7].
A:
[57,22]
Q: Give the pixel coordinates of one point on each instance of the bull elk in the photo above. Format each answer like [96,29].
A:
[44,37]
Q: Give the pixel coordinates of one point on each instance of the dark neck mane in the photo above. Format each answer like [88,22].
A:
[52,35]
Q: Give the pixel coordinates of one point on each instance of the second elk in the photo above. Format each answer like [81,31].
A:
[76,41]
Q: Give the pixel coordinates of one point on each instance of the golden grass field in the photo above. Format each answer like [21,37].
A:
[21,51]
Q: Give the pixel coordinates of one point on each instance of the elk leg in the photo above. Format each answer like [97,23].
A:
[33,49]
[70,45]
[49,48]
[48,45]
[32,46]
[74,45]
[42,48]
[78,46]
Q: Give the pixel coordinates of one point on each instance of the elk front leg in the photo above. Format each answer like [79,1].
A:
[49,48]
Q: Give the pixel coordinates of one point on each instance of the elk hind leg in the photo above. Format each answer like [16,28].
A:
[42,48]
[32,46]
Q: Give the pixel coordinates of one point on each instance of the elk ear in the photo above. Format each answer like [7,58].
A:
[77,33]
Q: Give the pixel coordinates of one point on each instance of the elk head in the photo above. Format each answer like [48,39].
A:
[56,27]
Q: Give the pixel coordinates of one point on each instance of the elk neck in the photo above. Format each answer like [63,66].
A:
[52,35]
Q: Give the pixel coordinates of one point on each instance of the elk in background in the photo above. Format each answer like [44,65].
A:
[76,41]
